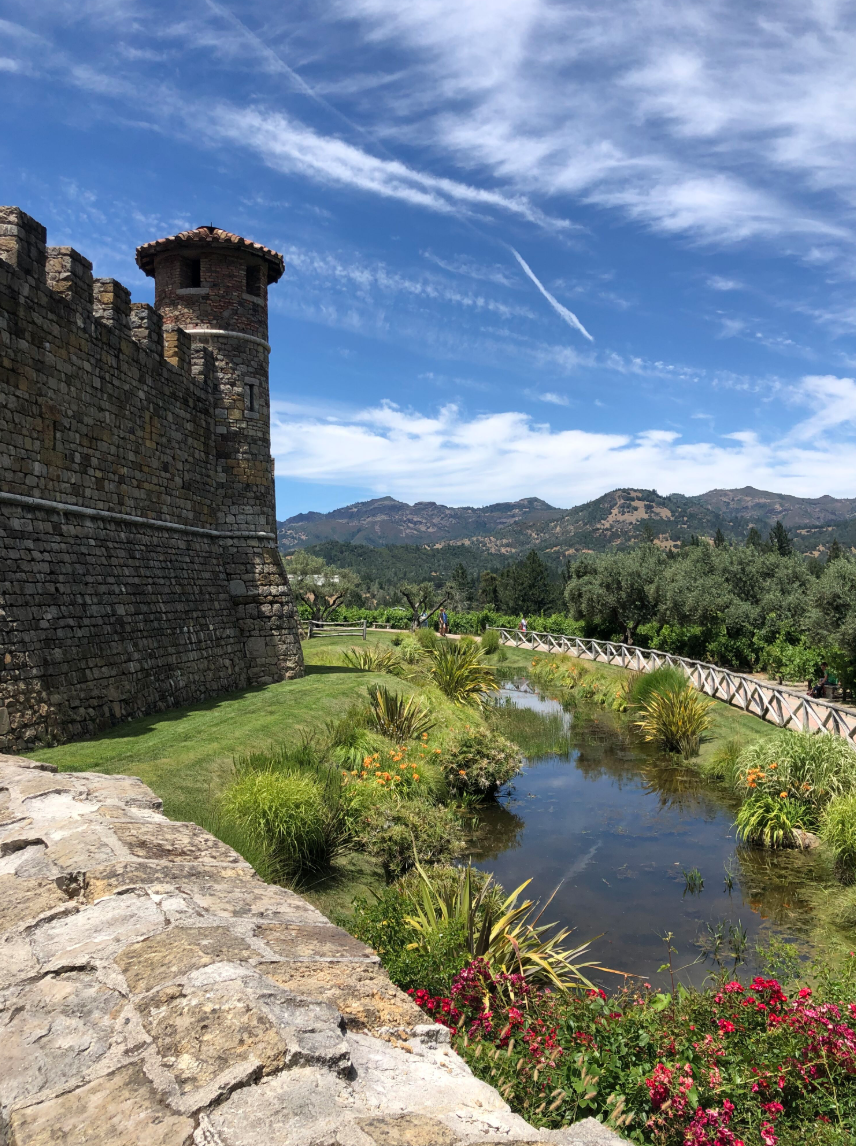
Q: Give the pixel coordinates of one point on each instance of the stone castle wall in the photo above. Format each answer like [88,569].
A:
[127,584]
[154,992]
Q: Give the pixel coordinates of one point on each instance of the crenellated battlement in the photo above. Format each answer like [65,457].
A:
[110,417]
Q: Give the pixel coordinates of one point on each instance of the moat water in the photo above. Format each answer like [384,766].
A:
[615,830]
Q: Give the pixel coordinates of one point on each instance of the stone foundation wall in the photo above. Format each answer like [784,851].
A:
[105,621]
[154,991]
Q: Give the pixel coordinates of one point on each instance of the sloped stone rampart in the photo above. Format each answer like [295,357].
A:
[154,990]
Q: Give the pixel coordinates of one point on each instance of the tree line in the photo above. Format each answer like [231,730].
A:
[749,606]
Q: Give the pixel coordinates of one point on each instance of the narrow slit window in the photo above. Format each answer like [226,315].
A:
[254,281]
[251,397]
[191,272]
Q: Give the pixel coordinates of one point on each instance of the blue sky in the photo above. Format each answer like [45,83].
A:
[533,247]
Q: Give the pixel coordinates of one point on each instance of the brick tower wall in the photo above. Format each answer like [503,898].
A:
[118,591]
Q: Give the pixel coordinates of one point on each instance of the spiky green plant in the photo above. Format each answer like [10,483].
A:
[769,820]
[505,934]
[812,768]
[458,671]
[371,658]
[395,716]
[722,766]
[675,720]
[838,830]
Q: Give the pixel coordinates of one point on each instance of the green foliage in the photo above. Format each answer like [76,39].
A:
[460,674]
[490,642]
[527,586]
[769,820]
[616,591]
[397,832]
[427,639]
[293,809]
[644,685]
[509,935]
[723,764]
[810,768]
[381,923]
[371,658]
[397,717]
[838,830]
[794,659]
[479,762]
[675,720]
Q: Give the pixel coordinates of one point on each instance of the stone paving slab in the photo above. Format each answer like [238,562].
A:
[154,990]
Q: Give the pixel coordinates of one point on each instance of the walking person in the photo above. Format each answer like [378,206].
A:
[523,627]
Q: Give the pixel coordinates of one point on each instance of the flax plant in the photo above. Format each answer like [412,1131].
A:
[503,933]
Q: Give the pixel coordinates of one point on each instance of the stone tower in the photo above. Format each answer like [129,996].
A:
[213,285]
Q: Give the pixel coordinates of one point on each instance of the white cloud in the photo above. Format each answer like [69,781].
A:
[473,460]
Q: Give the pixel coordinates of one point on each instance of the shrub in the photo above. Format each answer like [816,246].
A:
[397,717]
[460,674]
[675,720]
[812,768]
[300,824]
[701,1068]
[723,764]
[838,829]
[398,832]
[769,820]
[427,638]
[643,685]
[490,642]
[480,762]
[381,923]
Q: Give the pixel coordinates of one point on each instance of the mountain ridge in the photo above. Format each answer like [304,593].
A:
[613,520]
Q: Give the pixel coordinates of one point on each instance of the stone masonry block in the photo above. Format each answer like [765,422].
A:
[69,275]
[147,327]
[23,242]
[112,304]
[176,344]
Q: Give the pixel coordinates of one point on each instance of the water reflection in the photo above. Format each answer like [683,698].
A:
[619,831]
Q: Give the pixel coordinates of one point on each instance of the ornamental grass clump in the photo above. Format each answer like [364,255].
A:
[643,685]
[838,831]
[397,717]
[372,658]
[459,673]
[809,768]
[675,719]
[770,821]
[490,642]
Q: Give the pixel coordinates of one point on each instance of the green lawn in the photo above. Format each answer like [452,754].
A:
[185,755]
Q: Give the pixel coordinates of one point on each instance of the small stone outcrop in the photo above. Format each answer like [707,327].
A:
[153,990]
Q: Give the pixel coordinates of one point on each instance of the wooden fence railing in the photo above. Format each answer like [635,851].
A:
[769,701]
[335,629]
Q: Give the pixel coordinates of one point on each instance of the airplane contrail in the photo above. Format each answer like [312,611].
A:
[568,315]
